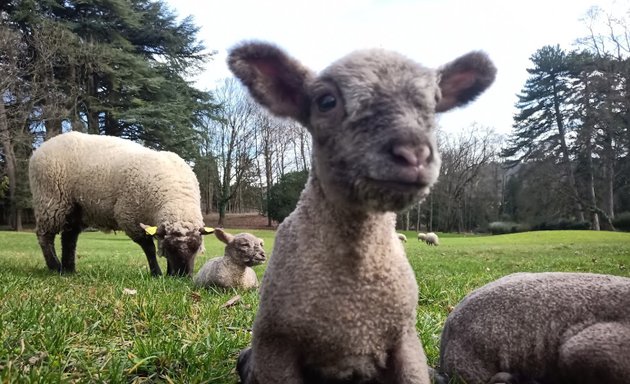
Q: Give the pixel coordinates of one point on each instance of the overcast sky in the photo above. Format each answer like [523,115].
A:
[431,32]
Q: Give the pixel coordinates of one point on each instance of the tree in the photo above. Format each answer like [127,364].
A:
[546,115]
[466,171]
[116,67]
[233,133]
[284,195]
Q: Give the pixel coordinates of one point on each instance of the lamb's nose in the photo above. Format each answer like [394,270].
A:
[411,156]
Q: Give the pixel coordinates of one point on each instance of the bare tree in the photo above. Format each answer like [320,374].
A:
[234,138]
[464,157]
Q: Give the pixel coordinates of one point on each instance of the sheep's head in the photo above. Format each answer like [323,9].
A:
[243,248]
[371,115]
[180,243]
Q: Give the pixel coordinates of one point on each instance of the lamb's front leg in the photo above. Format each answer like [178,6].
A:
[271,361]
[408,362]
[597,354]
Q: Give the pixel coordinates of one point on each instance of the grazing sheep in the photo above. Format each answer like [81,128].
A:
[432,239]
[429,238]
[109,183]
[552,328]
[233,270]
[402,237]
[338,298]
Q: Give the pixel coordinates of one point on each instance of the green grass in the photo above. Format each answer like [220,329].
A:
[85,328]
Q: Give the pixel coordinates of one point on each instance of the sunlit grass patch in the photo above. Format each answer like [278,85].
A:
[112,322]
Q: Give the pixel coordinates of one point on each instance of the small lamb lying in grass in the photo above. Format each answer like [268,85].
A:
[551,328]
[233,270]
[338,300]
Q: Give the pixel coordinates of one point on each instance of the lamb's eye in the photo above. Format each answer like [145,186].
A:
[326,103]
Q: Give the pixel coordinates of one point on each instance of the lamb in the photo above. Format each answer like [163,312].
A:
[233,270]
[429,238]
[338,298]
[402,237]
[553,328]
[79,180]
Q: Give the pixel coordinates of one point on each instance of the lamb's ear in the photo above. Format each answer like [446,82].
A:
[223,236]
[274,79]
[462,80]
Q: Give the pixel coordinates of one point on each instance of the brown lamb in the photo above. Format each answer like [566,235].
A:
[338,299]
[546,328]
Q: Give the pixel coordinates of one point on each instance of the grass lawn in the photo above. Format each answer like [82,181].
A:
[89,327]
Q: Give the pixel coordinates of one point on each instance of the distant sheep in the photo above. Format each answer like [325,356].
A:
[432,239]
[429,238]
[233,270]
[402,237]
[338,299]
[552,328]
[109,183]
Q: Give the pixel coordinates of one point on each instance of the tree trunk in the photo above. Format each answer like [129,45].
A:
[430,227]
[588,142]
[609,176]
[11,166]
[566,158]
[18,219]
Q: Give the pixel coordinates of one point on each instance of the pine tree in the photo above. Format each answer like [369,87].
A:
[546,116]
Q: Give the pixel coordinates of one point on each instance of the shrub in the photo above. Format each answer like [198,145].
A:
[561,224]
[622,221]
[502,227]
[284,195]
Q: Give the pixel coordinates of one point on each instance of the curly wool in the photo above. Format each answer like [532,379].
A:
[111,183]
[550,327]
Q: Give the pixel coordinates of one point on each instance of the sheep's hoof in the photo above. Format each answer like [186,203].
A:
[242,365]
[504,378]
[438,377]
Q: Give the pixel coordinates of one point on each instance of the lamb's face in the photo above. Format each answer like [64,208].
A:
[246,249]
[180,244]
[372,117]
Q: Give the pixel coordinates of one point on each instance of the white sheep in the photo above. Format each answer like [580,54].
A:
[402,237]
[338,298]
[552,328]
[432,239]
[79,180]
[233,270]
[429,238]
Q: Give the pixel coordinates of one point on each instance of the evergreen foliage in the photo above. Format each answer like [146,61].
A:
[284,195]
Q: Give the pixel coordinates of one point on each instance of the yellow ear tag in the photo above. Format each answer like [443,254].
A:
[208,230]
[150,230]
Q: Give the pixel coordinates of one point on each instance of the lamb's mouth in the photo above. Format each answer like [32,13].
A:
[256,260]
[398,184]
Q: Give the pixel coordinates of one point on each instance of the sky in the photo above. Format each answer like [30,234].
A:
[431,32]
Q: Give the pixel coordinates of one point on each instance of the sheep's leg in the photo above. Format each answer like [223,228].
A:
[408,362]
[69,237]
[148,247]
[270,362]
[47,243]
[597,354]
[69,247]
